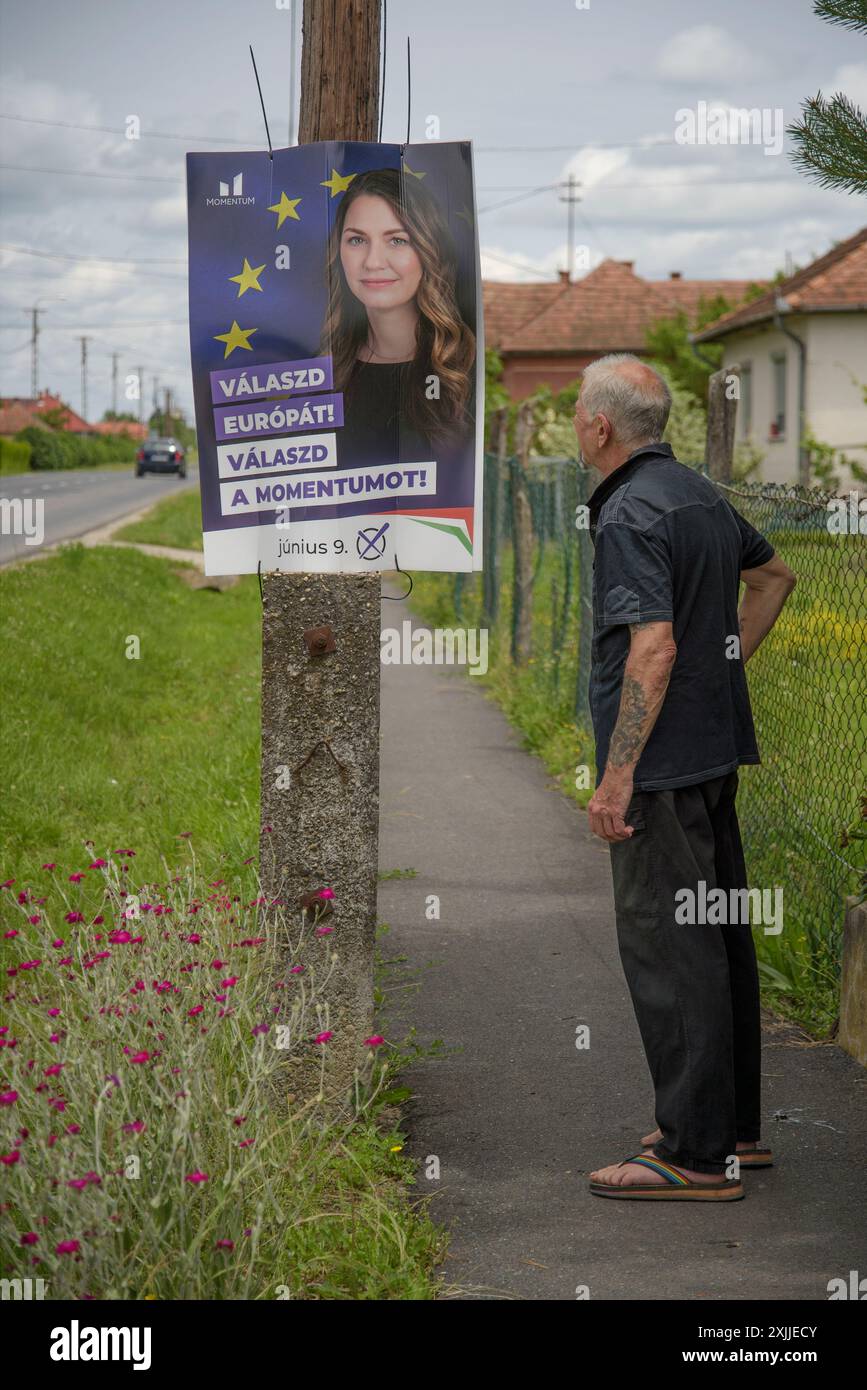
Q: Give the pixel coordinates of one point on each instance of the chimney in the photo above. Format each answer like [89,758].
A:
[628,264]
[564,277]
[674,275]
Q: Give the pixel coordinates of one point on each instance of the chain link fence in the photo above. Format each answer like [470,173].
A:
[801,809]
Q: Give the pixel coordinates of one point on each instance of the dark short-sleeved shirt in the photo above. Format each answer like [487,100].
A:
[668,547]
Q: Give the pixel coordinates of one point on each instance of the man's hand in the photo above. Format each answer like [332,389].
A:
[767,588]
[608,806]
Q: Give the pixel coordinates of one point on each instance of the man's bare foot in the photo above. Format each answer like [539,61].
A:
[650,1139]
[631,1174]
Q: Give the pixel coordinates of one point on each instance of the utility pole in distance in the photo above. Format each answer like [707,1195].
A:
[84,342]
[320,706]
[571,199]
[114,359]
[34,349]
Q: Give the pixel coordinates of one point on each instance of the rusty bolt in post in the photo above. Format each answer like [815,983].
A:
[320,640]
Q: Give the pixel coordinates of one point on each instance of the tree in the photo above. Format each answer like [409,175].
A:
[831,136]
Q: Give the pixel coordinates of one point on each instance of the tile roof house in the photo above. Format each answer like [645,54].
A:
[17,412]
[547,333]
[802,351]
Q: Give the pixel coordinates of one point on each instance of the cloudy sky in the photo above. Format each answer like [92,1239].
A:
[93,225]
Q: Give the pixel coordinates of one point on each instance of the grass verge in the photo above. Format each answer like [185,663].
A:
[148,1143]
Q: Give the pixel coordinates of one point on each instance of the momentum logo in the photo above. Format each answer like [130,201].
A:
[227,199]
[76,1343]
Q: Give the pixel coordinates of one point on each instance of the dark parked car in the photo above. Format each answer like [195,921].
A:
[161,456]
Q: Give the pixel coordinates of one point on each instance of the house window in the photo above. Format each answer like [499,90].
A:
[778,396]
[745,406]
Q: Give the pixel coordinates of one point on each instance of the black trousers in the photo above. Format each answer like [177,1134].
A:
[694,985]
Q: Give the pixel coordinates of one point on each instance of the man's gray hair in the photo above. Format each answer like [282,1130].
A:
[636,402]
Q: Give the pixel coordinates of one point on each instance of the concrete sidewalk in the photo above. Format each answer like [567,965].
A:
[525,951]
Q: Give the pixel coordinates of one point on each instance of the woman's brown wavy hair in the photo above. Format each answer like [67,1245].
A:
[445,345]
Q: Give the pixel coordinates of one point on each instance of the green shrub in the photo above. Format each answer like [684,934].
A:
[14,456]
[59,449]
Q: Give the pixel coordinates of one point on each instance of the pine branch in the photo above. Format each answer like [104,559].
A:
[852,14]
[831,143]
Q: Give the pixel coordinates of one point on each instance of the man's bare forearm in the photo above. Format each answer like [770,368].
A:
[645,682]
[758,612]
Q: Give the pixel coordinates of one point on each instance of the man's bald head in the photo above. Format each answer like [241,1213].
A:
[632,396]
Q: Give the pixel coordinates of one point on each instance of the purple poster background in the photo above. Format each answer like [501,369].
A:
[259,283]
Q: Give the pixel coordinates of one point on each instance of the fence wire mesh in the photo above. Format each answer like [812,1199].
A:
[801,809]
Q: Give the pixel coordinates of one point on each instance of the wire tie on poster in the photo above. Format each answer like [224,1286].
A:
[398,598]
[264,117]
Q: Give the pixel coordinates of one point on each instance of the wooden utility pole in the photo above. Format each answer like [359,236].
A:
[321,662]
[522,541]
[722,409]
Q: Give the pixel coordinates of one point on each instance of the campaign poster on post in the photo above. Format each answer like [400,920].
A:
[338,358]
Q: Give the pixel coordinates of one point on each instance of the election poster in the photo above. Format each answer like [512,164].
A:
[338,357]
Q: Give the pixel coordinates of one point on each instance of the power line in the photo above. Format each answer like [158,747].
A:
[120,130]
[88,174]
[113,260]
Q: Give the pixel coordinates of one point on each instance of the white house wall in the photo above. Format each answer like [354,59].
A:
[836,352]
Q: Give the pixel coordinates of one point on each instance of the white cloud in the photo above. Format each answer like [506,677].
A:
[851,79]
[704,54]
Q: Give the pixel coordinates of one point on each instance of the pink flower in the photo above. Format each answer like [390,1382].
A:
[97,864]
[75,878]
[59,943]
[134,1127]
[12,932]
[30,1238]
[29,964]
[326,893]
[230,981]
[376,1040]
[73,1129]
[245,1143]
[73,917]
[34,919]
[194,938]
[191,1013]
[261,1028]
[196,1177]
[67,1247]
[120,938]
[323,1037]
[8,1097]
[140,1057]
[225,1245]
[296,969]
[55,1069]
[49,866]
[8,884]
[10,1158]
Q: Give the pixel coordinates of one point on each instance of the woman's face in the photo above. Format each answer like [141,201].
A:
[381,266]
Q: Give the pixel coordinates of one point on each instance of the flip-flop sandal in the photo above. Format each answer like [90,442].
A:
[754,1158]
[677,1187]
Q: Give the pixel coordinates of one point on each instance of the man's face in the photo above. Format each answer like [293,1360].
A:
[592,433]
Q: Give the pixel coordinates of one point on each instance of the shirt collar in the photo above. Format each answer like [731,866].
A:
[621,474]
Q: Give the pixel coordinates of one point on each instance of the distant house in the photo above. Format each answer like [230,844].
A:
[802,352]
[17,412]
[547,334]
[132,428]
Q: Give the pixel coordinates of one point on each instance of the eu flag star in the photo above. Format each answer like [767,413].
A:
[285,208]
[338,183]
[235,338]
[248,278]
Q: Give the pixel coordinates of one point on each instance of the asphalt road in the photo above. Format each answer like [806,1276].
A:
[516,1116]
[78,500]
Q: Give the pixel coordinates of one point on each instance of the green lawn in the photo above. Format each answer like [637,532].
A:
[173,521]
[160,755]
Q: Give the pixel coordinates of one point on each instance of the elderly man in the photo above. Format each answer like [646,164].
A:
[672,723]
